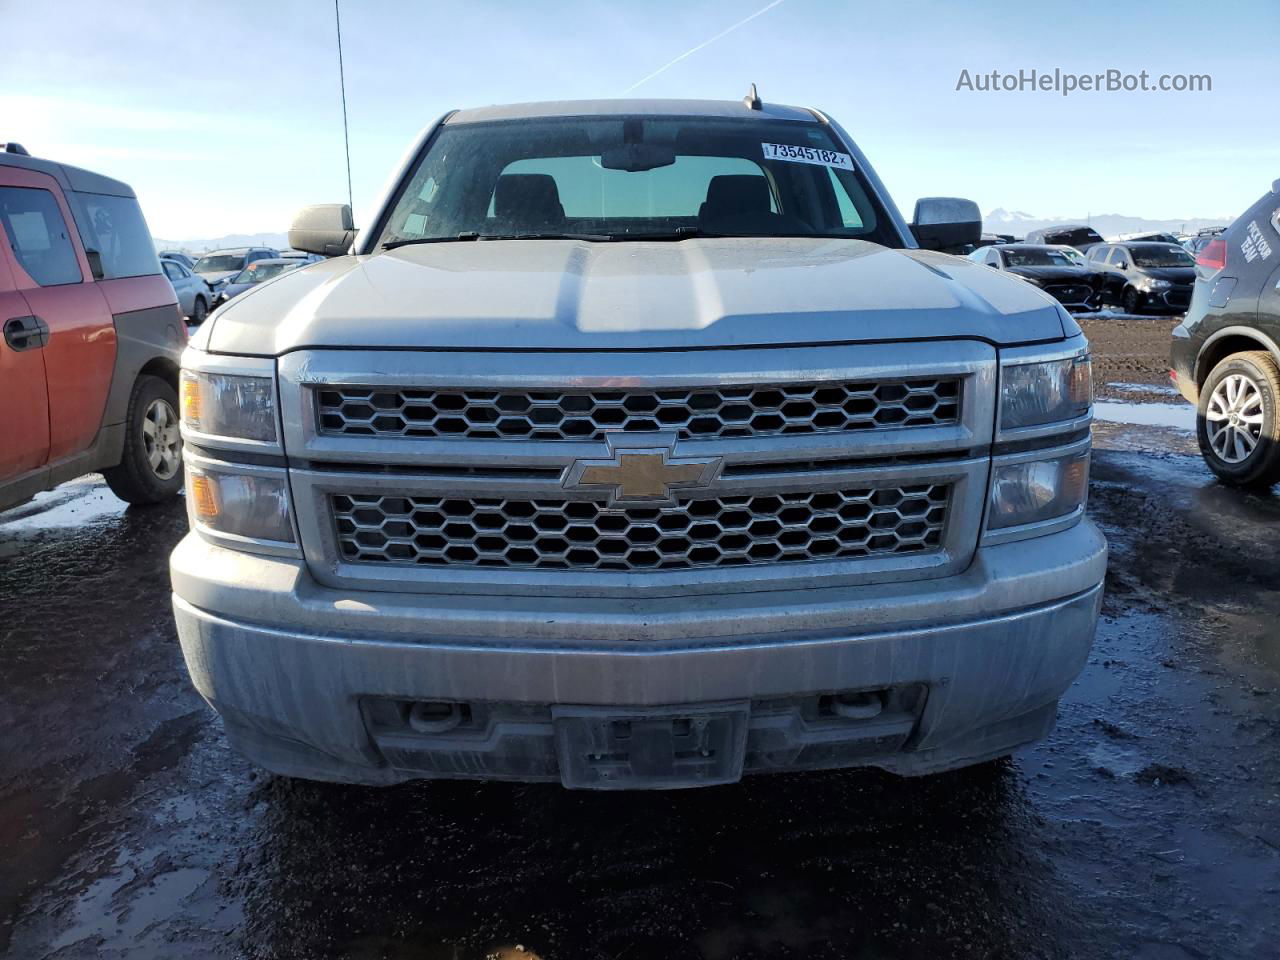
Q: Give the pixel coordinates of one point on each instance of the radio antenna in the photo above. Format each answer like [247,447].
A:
[342,83]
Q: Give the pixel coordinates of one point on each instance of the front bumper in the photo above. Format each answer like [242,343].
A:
[912,677]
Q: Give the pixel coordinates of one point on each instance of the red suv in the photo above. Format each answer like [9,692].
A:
[92,336]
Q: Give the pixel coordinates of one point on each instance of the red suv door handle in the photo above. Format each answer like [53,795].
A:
[26,333]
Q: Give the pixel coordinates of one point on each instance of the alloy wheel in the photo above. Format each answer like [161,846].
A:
[1233,418]
[162,439]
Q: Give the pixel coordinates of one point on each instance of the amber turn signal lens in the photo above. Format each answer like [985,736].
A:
[191,400]
[201,492]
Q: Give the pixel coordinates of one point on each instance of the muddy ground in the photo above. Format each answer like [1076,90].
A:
[1131,351]
[1147,825]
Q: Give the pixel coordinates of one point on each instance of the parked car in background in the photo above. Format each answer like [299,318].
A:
[219,266]
[1070,252]
[178,255]
[1143,277]
[1202,239]
[1156,237]
[301,255]
[1226,352]
[1075,235]
[1047,267]
[195,296]
[638,445]
[92,336]
[252,275]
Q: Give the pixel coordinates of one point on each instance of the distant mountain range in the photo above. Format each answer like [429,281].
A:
[1108,224]
[277,241]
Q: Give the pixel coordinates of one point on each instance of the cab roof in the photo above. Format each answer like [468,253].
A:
[733,109]
[69,177]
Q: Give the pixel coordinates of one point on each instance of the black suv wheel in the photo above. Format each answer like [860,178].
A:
[1237,426]
[150,470]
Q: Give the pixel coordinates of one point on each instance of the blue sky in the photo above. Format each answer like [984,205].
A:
[225,116]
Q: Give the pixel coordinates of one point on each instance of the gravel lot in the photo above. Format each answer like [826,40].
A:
[1130,350]
[1147,825]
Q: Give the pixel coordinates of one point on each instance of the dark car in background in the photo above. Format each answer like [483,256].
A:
[1072,234]
[1201,240]
[1047,267]
[1226,352]
[1155,236]
[255,273]
[1145,277]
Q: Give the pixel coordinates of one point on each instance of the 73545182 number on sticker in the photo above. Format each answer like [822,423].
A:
[795,154]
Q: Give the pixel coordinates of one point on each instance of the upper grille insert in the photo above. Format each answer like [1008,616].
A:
[696,413]
[585,535]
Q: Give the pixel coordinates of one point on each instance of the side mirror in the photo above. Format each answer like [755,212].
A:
[946,223]
[325,228]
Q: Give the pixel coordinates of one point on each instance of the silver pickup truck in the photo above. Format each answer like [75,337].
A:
[638,444]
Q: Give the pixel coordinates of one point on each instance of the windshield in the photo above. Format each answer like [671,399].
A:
[1074,255]
[1036,258]
[219,263]
[618,178]
[1161,255]
[257,272]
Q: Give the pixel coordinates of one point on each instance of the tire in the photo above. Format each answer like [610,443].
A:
[150,469]
[1238,423]
[199,311]
[1129,301]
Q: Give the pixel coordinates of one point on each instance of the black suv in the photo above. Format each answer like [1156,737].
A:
[1226,353]
[1071,234]
[1144,277]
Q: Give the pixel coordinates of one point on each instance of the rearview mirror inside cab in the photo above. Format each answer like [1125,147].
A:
[636,157]
[946,223]
[323,228]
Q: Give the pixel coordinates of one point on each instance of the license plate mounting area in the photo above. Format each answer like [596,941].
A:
[654,748]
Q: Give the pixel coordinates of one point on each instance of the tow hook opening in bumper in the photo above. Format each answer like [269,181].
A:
[661,747]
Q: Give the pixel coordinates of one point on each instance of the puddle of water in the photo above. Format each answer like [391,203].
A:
[1179,416]
[109,908]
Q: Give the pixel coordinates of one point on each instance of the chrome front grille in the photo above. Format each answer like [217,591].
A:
[467,472]
[584,535]
[758,410]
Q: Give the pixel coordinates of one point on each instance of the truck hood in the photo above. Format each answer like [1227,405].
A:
[578,295]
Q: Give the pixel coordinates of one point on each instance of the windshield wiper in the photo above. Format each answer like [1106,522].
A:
[594,237]
[465,235]
[473,235]
[680,233]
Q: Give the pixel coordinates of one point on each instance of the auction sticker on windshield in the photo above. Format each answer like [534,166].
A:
[823,158]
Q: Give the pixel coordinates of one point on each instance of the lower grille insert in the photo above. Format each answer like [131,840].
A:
[586,535]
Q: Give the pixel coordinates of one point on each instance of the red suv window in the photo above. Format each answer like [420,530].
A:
[38,236]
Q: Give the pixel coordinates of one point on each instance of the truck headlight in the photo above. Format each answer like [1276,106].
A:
[1035,490]
[242,504]
[1045,392]
[229,405]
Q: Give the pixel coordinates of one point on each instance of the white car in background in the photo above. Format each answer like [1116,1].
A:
[195,296]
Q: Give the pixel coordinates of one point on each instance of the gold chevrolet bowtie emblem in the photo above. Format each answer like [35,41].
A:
[643,475]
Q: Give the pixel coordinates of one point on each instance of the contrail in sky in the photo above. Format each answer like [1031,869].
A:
[705,43]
